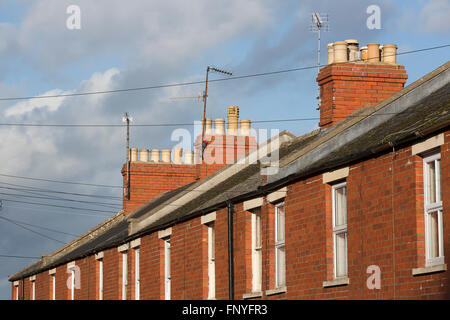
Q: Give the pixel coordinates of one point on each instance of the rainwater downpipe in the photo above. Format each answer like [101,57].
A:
[230,252]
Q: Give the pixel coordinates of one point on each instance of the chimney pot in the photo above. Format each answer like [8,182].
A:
[373,52]
[219,127]
[143,155]
[340,51]
[154,155]
[245,127]
[189,157]
[133,154]
[389,54]
[208,127]
[166,155]
[363,53]
[177,152]
[330,53]
[233,116]
[352,46]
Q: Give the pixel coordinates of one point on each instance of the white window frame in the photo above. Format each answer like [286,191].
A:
[433,207]
[16,291]
[100,279]
[137,280]
[338,230]
[211,261]
[167,277]
[124,274]
[256,250]
[53,286]
[33,289]
[72,282]
[280,246]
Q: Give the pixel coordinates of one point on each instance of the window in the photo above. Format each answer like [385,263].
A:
[339,202]
[33,290]
[72,284]
[100,279]
[137,279]
[53,279]
[16,291]
[280,254]
[211,262]
[256,250]
[167,268]
[434,250]
[124,275]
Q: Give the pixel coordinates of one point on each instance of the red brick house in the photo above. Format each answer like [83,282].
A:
[357,209]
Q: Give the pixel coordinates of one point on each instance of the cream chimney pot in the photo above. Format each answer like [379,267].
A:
[340,51]
[219,127]
[166,155]
[352,46]
[208,127]
[373,52]
[154,155]
[363,53]
[389,54]
[189,157]
[245,127]
[330,53]
[143,155]
[133,154]
[233,116]
[177,152]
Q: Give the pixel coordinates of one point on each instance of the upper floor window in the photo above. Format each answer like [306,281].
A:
[280,252]
[339,202]
[434,249]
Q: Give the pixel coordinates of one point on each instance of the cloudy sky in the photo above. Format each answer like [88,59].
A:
[126,44]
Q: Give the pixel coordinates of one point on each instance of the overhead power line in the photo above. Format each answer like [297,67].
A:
[58,181]
[20,257]
[40,227]
[31,230]
[192,82]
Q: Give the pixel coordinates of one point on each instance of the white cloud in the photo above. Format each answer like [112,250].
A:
[435,16]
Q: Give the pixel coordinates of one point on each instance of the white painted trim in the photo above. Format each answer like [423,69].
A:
[276,291]
[16,283]
[426,270]
[207,218]
[135,243]
[428,144]
[253,203]
[336,282]
[252,295]
[99,255]
[165,233]
[123,247]
[71,265]
[277,195]
[33,278]
[335,175]
[52,271]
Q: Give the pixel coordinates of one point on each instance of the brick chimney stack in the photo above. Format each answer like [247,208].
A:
[155,172]
[354,79]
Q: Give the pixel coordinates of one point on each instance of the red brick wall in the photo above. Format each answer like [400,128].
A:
[354,86]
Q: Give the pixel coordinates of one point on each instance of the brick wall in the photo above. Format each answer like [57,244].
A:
[347,87]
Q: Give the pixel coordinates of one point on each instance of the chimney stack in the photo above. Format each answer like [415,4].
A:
[348,85]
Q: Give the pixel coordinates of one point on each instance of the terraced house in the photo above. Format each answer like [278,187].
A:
[357,209]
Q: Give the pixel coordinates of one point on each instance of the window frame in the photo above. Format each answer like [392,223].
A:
[124,274]
[211,261]
[430,208]
[167,271]
[100,279]
[338,230]
[137,279]
[256,250]
[280,245]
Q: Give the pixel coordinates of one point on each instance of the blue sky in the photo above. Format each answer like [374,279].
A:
[123,44]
